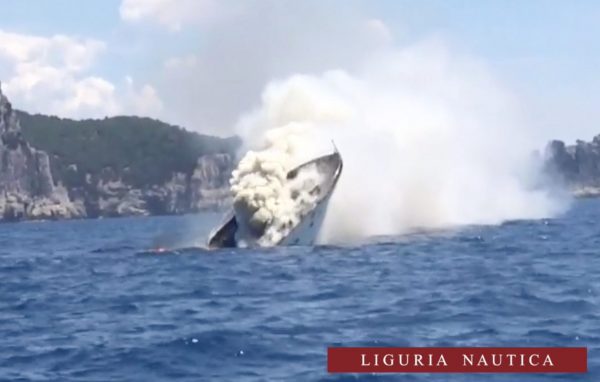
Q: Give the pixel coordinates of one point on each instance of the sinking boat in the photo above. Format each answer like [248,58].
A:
[230,233]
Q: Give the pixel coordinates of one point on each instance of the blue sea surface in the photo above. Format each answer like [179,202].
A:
[89,301]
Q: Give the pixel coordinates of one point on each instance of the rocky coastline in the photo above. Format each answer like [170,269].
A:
[32,188]
[576,166]
[29,191]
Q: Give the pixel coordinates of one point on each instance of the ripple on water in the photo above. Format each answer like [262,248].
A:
[88,301]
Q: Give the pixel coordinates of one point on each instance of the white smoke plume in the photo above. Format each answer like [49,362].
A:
[267,204]
[429,139]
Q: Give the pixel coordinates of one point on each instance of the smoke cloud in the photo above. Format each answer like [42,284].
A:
[429,139]
[232,59]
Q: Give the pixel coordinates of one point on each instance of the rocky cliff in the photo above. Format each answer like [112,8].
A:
[206,188]
[578,165]
[28,189]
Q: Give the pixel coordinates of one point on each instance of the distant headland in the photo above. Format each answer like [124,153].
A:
[576,166]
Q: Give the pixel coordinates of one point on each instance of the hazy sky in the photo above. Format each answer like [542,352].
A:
[202,63]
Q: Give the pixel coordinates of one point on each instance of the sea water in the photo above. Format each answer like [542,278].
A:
[91,300]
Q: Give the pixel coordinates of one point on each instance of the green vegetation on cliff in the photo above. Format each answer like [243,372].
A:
[142,151]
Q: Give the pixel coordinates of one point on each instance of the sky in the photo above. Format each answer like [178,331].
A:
[202,64]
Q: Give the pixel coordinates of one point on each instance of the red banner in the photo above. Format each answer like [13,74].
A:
[457,360]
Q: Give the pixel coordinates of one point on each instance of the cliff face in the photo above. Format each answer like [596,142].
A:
[578,166]
[28,189]
[207,188]
[209,184]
